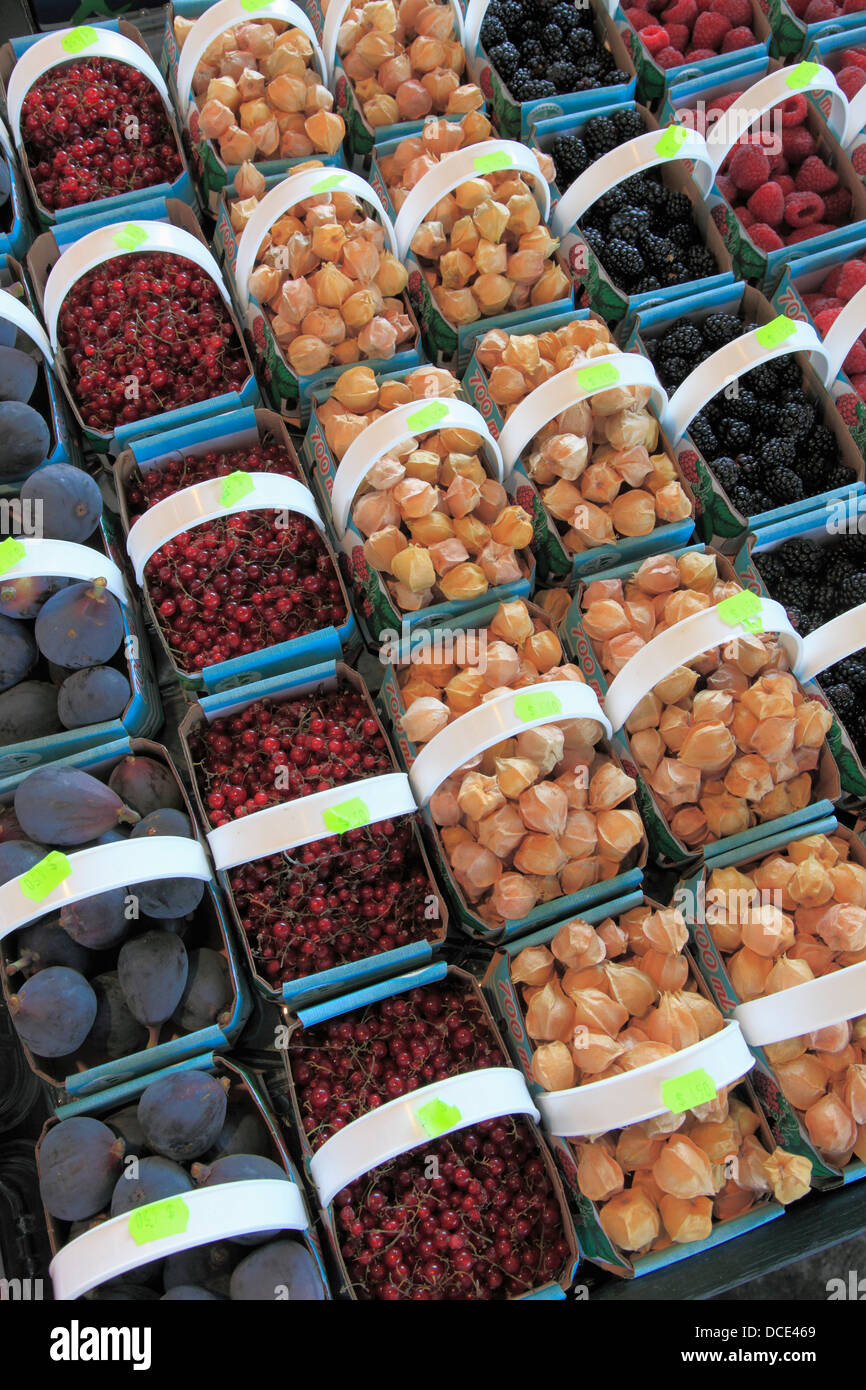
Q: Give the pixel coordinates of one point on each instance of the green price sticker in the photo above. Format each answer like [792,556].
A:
[490,163]
[437,1116]
[235,486]
[601,374]
[428,418]
[130,237]
[776,332]
[158,1220]
[543,705]
[44,877]
[252,5]
[742,610]
[801,75]
[684,1092]
[671,141]
[328,184]
[11,552]
[79,38]
[349,815]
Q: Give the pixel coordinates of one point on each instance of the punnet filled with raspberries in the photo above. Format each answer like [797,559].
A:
[473,1213]
[692,31]
[826,302]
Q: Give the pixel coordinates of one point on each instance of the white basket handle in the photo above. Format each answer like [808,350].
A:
[640,1095]
[15,311]
[224,16]
[487,157]
[570,386]
[494,720]
[193,506]
[644,152]
[291,190]
[121,239]
[314,817]
[396,427]
[855,118]
[63,46]
[41,559]
[334,18]
[475,12]
[418,1118]
[76,877]
[843,333]
[764,95]
[777,338]
[173,1225]
[841,637]
[680,644]
[805,1008]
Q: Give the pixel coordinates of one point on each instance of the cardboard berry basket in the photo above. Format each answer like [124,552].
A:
[449,344]
[840,637]
[481,731]
[418,1119]
[654,81]
[311,820]
[805,276]
[659,658]
[718,521]
[27,557]
[241,429]
[59,258]
[792,36]
[19,327]
[15,240]
[335,485]
[97,869]
[686,167]
[178,63]
[638,1095]
[789,1013]
[290,393]
[515,119]
[25,61]
[826,46]
[132,1247]
[557,564]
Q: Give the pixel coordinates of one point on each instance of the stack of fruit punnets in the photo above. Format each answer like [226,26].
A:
[331,901]
[826,302]
[691,31]
[436,525]
[110,973]
[780,922]
[188,1131]
[404,61]
[544,51]
[259,94]
[239,583]
[726,741]
[492,1223]
[601,468]
[767,443]
[600,1002]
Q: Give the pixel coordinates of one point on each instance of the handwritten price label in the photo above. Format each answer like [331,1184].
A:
[491,163]
[428,418]
[437,1116]
[594,378]
[44,877]
[682,1093]
[744,609]
[158,1220]
[776,332]
[544,705]
[12,552]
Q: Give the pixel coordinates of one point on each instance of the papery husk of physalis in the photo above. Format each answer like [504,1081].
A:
[637,1148]
[424,720]
[597,1011]
[665,930]
[594,1053]
[502,831]
[619,832]
[550,1015]
[612,937]
[572,942]
[552,1066]
[672,1022]
[539,854]
[843,927]
[667,971]
[445,810]
[719,1139]
[631,987]
[704,1012]
[674,726]
[726,815]
[618,651]
[790,1175]
[787,1050]
[683,1170]
[767,930]
[516,774]
[648,747]
[609,787]
[834,1038]
[544,808]
[830,1125]
[630,1220]
[686,1219]
[514,896]
[689,824]
[854,1091]
[802,1081]
[748,973]
[787,973]
[479,796]
[534,965]
[579,839]
[599,1176]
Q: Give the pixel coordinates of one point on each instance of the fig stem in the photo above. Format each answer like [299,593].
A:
[153,1034]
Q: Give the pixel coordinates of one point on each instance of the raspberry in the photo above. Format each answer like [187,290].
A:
[710,28]
[669,57]
[854,57]
[825,320]
[830,283]
[792,110]
[744,217]
[785,182]
[726,186]
[639,19]
[798,6]
[817,303]
[851,279]
[853,6]
[699,55]
[679,36]
[738,38]
[680,12]
[855,362]
[807,233]
[814,176]
[859,384]
[817,10]
[739,12]
[837,204]
[765,238]
[778,163]
[798,143]
[749,168]
[851,80]
[802,209]
[767,204]
[655,38]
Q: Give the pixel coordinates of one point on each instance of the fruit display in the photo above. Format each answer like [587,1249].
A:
[329,901]
[724,742]
[187,1132]
[491,1224]
[119,970]
[545,51]
[686,31]
[405,61]
[259,93]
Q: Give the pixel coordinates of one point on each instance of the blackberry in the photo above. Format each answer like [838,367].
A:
[492,32]
[843,700]
[647,284]
[506,60]
[585,84]
[565,16]
[786,486]
[682,234]
[704,436]
[628,224]
[750,469]
[563,75]
[822,444]
[720,329]
[804,557]
[853,546]
[813,471]
[534,57]
[552,37]
[622,261]
[840,476]
[825,600]
[727,472]
[701,262]
[675,274]
[617,78]
[736,434]
[745,405]
[510,14]
[594,238]
[743,500]
[796,419]
[762,380]
[779,453]
[570,158]
[636,188]
[797,593]
[677,206]
[852,670]
[599,136]
[660,253]
[614,200]
[629,124]
[519,83]
[789,373]
[538,87]
[673,370]
[581,42]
